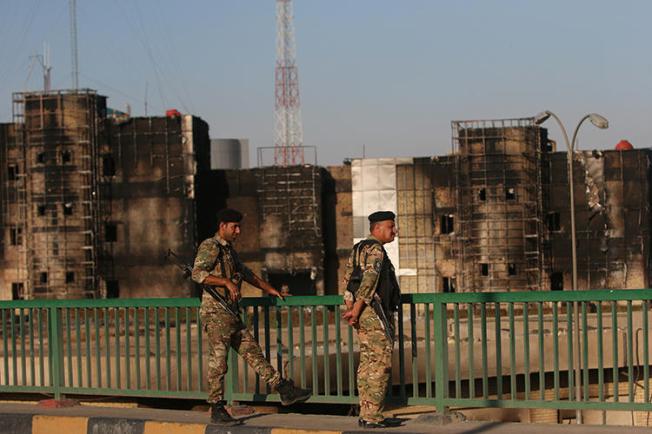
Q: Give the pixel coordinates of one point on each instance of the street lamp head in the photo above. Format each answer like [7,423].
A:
[542,117]
[599,121]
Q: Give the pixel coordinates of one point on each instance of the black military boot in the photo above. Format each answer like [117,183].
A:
[220,416]
[290,393]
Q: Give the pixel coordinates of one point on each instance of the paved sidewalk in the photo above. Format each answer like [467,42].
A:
[32,419]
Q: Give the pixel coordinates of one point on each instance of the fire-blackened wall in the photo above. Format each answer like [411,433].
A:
[219,189]
[51,195]
[283,235]
[612,203]
[290,218]
[338,225]
[9,236]
[445,222]
[153,165]
[499,205]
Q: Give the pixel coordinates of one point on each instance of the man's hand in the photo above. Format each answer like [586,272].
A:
[275,293]
[352,317]
[234,291]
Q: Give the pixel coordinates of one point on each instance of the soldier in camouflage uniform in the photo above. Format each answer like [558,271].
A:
[372,297]
[217,264]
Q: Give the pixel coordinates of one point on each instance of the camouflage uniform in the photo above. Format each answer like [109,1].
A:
[221,327]
[375,365]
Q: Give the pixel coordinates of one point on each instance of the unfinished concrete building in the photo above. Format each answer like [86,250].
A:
[282,231]
[494,215]
[612,208]
[499,241]
[338,224]
[151,167]
[90,203]
[51,199]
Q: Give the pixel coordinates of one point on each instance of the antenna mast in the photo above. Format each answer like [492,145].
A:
[288,146]
[47,68]
[44,61]
[74,53]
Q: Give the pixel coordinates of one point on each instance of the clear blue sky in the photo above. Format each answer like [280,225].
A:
[387,74]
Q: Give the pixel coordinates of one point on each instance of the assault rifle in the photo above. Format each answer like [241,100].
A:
[232,308]
[388,323]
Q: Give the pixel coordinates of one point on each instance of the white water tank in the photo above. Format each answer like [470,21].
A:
[229,154]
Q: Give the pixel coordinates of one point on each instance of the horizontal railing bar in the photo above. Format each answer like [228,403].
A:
[102,303]
[27,389]
[544,296]
[333,300]
[189,394]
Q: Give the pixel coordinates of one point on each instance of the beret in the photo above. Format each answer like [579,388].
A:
[229,215]
[380,216]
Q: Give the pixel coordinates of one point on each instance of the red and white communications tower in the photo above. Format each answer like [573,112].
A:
[288,145]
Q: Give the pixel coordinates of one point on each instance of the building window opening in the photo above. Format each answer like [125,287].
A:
[446,223]
[66,157]
[108,166]
[510,193]
[12,172]
[55,249]
[553,222]
[17,291]
[41,210]
[112,289]
[511,269]
[43,277]
[70,276]
[110,232]
[67,208]
[298,283]
[482,194]
[448,284]
[557,281]
[484,269]
[40,158]
[16,236]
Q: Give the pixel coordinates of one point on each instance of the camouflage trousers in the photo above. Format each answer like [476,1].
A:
[374,370]
[222,330]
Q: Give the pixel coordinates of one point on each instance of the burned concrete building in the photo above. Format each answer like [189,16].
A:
[91,203]
[612,208]
[494,215]
[499,241]
[491,216]
[283,230]
[51,206]
[151,167]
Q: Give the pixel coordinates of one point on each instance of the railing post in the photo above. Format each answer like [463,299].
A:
[441,355]
[56,351]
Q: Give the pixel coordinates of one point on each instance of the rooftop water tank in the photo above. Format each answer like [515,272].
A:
[624,145]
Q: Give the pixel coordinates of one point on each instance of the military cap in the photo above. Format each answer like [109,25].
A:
[380,216]
[229,215]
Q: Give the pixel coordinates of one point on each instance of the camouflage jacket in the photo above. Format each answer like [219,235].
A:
[370,259]
[216,257]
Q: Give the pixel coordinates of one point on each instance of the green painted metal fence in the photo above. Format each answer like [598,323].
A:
[454,350]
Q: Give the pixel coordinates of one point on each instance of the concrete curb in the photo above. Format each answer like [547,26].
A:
[16,423]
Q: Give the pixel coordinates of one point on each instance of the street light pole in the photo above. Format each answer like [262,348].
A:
[600,122]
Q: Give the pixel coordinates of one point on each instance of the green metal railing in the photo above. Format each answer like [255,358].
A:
[453,350]
[138,347]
